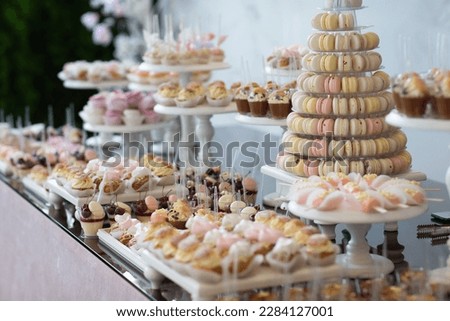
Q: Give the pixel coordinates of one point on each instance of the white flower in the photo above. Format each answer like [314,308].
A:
[102,35]
[90,19]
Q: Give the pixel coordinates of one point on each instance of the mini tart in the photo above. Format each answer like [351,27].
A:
[81,186]
[208,259]
[320,251]
[111,186]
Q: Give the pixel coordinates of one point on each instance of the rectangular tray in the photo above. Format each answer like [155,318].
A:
[261,277]
[157,192]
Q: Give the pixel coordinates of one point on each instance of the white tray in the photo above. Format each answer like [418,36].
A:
[157,192]
[356,217]
[261,277]
[395,118]
[183,68]
[5,169]
[261,121]
[103,85]
[277,72]
[200,110]
[122,128]
[290,178]
[34,188]
[142,87]
[121,250]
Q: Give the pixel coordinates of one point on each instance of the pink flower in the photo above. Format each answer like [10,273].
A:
[101,35]
[90,19]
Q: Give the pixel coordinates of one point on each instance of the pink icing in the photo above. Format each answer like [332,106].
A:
[147,103]
[226,240]
[133,98]
[269,235]
[200,226]
[117,101]
[112,174]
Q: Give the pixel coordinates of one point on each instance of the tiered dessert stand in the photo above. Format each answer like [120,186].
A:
[200,114]
[357,260]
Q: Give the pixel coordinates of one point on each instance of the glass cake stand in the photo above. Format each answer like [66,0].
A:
[357,260]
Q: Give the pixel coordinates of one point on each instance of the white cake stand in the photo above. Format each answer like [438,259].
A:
[142,87]
[271,199]
[80,84]
[106,131]
[397,119]
[185,71]
[357,260]
[204,129]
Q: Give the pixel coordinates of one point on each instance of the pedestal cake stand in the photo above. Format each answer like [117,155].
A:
[357,260]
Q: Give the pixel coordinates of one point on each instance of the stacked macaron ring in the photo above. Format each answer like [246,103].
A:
[337,121]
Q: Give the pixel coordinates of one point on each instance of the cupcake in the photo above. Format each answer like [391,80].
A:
[112,117]
[217,54]
[414,97]
[279,104]
[240,98]
[441,99]
[132,117]
[257,101]
[187,98]
[320,251]
[218,95]
[92,216]
[170,58]
[167,93]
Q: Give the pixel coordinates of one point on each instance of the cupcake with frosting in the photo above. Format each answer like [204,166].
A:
[218,95]
[257,101]
[167,93]
[187,98]
[240,98]
[441,99]
[414,96]
[279,104]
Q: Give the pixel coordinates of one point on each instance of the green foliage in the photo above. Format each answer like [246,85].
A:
[36,39]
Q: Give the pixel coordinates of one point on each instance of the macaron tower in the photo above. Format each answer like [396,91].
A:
[337,121]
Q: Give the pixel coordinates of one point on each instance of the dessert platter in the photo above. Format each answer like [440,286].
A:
[58,194]
[202,262]
[358,202]
[156,270]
